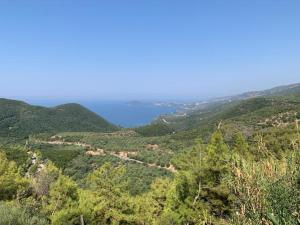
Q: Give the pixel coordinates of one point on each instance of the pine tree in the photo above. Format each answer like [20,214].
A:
[63,201]
[240,145]
[216,166]
[11,182]
[106,201]
[149,207]
[199,193]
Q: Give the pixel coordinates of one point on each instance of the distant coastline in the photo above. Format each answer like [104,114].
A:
[126,114]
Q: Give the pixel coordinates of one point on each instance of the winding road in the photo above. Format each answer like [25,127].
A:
[171,168]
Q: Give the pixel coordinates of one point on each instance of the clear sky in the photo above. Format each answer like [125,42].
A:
[147,49]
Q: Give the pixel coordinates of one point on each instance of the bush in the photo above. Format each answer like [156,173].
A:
[14,215]
[11,182]
[267,191]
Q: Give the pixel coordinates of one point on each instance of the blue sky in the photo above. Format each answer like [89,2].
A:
[147,49]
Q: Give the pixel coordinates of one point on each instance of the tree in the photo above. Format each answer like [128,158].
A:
[240,145]
[184,205]
[11,182]
[106,201]
[215,168]
[63,200]
[149,207]
[199,193]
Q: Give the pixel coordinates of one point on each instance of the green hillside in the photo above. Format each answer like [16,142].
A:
[233,162]
[19,119]
[226,179]
[280,105]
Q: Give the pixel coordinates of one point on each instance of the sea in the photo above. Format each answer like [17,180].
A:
[122,113]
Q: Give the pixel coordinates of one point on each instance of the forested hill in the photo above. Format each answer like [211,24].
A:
[231,163]
[246,112]
[19,119]
[275,91]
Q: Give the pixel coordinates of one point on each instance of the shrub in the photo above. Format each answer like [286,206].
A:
[14,215]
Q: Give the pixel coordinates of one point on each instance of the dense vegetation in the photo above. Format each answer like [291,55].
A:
[18,119]
[156,150]
[217,183]
[246,115]
[155,129]
[240,166]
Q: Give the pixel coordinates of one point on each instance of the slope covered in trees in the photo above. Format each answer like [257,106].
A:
[18,119]
[238,164]
[238,181]
[275,108]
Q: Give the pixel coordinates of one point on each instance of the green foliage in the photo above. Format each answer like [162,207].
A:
[106,201]
[11,214]
[283,193]
[267,190]
[240,145]
[18,119]
[62,203]
[149,207]
[11,182]
[59,154]
[161,158]
[215,167]
[44,179]
[215,183]
[157,150]
[246,116]
[155,129]
[81,166]
[248,172]
[116,141]
[139,178]
[16,153]
[199,193]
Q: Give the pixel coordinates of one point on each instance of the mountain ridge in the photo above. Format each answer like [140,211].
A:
[249,107]
[20,119]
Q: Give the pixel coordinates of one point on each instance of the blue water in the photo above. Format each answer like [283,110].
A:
[128,115]
[117,112]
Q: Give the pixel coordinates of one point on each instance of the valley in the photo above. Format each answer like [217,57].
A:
[149,112]
[227,162]
[92,151]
